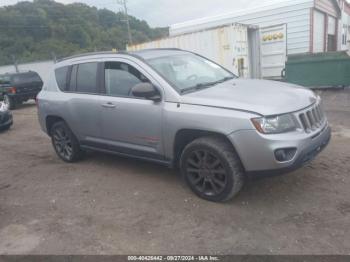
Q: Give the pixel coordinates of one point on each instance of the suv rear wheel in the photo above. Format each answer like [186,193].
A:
[212,169]
[65,143]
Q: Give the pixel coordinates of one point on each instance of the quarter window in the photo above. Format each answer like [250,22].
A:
[61,77]
[120,78]
[87,78]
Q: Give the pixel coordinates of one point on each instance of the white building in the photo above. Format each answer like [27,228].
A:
[287,28]
[345,25]
[311,25]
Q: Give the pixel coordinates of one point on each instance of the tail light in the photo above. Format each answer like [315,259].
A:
[12,90]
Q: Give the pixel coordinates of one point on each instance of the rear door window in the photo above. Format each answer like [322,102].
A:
[86,79]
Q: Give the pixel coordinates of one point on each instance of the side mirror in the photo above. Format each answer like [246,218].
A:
[146,90]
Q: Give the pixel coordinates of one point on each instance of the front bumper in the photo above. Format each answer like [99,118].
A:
[6,120]
[257,151]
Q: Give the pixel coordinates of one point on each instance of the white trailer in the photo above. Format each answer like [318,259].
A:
[234,46]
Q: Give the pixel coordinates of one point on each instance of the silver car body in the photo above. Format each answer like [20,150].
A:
[149,130]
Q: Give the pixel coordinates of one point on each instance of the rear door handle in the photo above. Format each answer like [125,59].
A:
[109,105]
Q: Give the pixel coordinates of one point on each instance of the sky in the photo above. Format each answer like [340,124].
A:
[167,12]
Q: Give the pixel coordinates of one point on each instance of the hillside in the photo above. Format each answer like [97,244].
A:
[36,30]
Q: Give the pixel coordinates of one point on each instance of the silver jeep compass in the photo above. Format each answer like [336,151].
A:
[182,110]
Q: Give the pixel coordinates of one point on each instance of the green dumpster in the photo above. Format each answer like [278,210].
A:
[319,70]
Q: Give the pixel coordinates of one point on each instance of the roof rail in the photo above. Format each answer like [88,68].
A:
[151,49]
[89,54]
[114,53]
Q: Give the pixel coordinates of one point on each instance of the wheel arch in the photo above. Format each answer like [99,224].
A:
[50,121]
[185,136]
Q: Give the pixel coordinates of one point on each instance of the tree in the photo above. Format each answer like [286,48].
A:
[34,30]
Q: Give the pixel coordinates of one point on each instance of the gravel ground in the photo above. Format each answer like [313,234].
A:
[111,205]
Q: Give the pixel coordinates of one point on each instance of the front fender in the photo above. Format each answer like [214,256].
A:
[222,121]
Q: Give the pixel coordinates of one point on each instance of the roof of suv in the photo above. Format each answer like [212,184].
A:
[142,54]
[19,73]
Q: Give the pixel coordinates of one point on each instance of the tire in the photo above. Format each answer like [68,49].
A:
[212,169]
[10,102]
[65,143]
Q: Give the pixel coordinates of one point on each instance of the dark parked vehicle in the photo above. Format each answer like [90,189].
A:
[5,117]
[17,88]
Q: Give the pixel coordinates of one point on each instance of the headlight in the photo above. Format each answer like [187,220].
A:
[275,124]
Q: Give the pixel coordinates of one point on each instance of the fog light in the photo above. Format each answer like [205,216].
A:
[285,154]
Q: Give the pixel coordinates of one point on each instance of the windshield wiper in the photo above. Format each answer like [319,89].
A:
[201,86]
[225,79]
[196,87]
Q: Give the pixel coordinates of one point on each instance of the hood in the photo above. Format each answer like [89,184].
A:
[259,96]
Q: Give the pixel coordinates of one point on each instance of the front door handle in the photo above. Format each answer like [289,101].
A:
[109,105]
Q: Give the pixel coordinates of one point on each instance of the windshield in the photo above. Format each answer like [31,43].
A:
[189,72]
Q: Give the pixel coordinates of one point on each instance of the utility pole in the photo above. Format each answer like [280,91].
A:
[123,3]
[15,63]
[54,57]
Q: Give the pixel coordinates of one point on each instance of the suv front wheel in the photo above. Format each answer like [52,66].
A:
[65,143]
[212,169]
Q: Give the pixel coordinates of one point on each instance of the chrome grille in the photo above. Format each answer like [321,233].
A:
[312,118]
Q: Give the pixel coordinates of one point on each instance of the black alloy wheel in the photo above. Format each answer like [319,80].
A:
[65,143]
[212,168]
[206,172]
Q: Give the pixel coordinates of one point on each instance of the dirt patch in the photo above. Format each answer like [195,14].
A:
[17,239]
